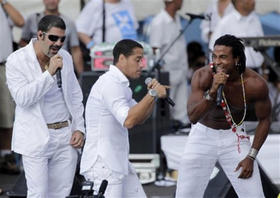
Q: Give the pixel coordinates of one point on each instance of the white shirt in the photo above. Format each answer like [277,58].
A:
[163,31]
[28,85]
[207,26]
[106,110]
[6,41]
[54,99]
[241,26]
[120,21]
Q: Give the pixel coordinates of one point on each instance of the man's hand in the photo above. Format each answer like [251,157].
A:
[56,62]
[247,166]
[161,89]
[77,139]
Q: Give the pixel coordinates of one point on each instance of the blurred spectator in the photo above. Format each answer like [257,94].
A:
[242,22]
[164,28]
[106,21]
[274,87]
[9,16]
[216,10]
[71,42]
[196,59]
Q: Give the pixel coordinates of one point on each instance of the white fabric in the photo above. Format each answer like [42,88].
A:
[207,26]
[119,185]
[106,110]
[163,31]
[241,26]
[28,85]
[5,36]
[206,146]
[54,99]
[120,21]
[52,175]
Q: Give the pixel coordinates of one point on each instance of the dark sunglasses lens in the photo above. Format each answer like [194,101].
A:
[62,39]
[54,38]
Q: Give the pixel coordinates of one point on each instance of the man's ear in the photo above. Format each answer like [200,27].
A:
[40,34]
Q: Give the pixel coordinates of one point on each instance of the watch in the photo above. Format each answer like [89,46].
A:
[208,97]
[152,92]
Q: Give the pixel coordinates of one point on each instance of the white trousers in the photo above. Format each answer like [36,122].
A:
[51,176]
[119,185]
[206,146]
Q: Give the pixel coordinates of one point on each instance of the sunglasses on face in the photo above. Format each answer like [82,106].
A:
[55,38]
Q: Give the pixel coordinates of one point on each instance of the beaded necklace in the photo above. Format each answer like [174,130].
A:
[229,117]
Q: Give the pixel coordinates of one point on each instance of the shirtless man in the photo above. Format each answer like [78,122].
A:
[218,132]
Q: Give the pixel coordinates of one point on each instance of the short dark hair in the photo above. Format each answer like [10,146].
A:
[237,48]
[49,21]
[124,47]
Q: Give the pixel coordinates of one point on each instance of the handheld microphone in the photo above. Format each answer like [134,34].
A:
[58,78]
[167,99]
[196,16]
[102,189]
[219,94]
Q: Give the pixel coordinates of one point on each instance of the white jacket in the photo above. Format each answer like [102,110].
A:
[28,84]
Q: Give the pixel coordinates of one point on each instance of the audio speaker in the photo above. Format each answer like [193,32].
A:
[144,138]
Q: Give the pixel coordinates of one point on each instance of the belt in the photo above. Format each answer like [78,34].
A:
[58,125]
[3,63]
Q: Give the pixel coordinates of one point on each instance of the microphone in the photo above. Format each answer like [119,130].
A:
[219,94]
[58,77]
[196,16]
[167,99]
[102,189]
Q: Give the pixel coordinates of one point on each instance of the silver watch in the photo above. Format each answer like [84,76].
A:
[208,97]
[152,92]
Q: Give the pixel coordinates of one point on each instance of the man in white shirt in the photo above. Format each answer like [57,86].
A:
[49,122]
[114,19]
[71,43]
[164,28]
[242,22]
[110,111]
[9,16]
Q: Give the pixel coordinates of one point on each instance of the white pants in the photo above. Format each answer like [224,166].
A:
[204,148]
[119,185]
[51,176]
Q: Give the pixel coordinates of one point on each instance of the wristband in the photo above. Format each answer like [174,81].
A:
[253,153]
[3,2]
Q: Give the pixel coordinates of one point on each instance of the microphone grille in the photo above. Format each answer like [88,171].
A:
[148,80]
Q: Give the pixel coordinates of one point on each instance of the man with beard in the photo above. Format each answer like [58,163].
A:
[49,122]
[218,133]
[71,43]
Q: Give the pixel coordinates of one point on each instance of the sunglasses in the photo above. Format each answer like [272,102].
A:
[55,38]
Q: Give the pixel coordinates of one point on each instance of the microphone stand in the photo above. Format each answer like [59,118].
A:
[157,66]
[160,61]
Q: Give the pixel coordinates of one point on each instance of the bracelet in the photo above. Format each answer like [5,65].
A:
[250,157]
[253,153]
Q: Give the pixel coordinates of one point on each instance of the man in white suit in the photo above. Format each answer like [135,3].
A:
[49,122]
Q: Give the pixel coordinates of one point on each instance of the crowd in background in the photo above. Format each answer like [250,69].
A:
[112,20]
